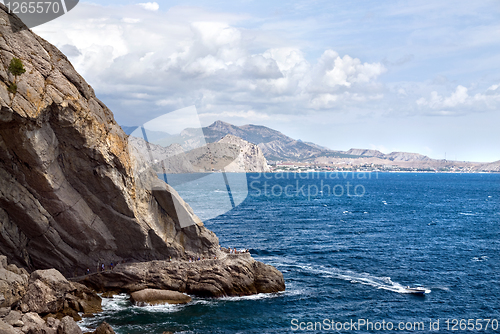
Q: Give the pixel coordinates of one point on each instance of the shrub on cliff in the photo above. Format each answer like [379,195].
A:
[16,68]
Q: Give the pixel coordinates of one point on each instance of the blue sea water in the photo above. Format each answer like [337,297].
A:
[346,256]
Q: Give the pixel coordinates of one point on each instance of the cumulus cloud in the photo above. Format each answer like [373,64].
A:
[178,58]
[460,101]
[345,71]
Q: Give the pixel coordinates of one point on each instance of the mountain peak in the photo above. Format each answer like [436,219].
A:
[220,124]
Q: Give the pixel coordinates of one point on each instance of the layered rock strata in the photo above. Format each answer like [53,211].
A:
[74,196]
[230,275]
[71,194]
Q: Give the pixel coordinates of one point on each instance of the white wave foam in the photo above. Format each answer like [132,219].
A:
[258,296]
[384,283]
[116,303]
[166,308]
[467,213]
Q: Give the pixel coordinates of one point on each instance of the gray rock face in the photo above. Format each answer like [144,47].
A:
[6,328]
[48,291]
[45,293]
[158,297]
[71,195]
[13,283]
[250,158]
[231,154]
[68,326]
[229,275]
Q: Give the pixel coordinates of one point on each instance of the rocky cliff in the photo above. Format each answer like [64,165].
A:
[70,193]
[250,157]
[229,274]
[230,154]
[72,196]
[25,299]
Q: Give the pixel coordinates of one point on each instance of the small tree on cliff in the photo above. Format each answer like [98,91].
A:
[16,68]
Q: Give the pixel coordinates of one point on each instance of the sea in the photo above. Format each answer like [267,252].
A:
[347,244]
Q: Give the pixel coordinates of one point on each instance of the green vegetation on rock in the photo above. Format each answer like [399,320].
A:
[16,68]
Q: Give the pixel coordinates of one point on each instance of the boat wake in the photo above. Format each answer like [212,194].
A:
[384,283]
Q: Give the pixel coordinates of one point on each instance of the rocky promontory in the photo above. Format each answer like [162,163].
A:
[75,197]
[229,275]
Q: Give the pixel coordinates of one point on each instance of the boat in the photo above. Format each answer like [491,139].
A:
[417,290]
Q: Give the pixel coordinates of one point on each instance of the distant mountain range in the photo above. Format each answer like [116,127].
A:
[278,147]
[275,145]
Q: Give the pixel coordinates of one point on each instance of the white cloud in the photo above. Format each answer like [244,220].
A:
[346,71]
[182,57]
[493,87]
[459,101]
[152,6]
[458,97]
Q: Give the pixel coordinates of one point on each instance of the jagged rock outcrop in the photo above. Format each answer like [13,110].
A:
[230,154]
[13,283]
[250,158]
[74,195]
[230,275]
[49,292]
[71,194]
[44,293]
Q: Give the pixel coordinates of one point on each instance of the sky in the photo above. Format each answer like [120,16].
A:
[413,76]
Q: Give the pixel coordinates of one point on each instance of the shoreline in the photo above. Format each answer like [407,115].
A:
[344,171]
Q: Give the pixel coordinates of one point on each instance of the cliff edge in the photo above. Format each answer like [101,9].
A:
[72,196]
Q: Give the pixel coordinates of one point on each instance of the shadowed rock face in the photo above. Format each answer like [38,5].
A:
[71,195]
[74,195]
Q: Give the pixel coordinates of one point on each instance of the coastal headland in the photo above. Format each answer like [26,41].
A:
[74,195]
